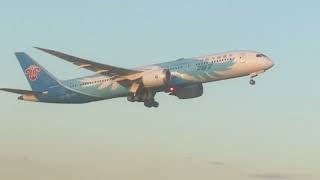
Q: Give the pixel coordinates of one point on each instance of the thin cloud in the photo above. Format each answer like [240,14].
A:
[272,176]
[216,163]
[213,163]
[189,157]
[279,176]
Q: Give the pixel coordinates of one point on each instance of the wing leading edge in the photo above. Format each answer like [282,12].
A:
[90,65]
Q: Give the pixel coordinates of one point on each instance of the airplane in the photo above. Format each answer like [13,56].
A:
[182,78]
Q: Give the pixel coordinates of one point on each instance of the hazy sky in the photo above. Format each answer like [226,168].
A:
[234,131]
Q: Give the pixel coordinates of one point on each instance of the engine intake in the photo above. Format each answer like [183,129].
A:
[156,78]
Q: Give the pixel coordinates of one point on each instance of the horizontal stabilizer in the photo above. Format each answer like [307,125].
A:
[20,91]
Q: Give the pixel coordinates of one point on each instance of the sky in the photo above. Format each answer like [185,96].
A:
[234,131]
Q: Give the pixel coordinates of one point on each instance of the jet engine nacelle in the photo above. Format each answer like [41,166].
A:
[187,92]
[156,78]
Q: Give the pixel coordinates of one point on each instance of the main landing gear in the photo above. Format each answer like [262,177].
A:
[146,96]
[151,104]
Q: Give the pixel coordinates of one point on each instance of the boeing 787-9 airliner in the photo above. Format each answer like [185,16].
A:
[182,78]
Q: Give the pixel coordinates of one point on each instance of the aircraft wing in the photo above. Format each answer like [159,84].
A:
[90,65]
[20,91]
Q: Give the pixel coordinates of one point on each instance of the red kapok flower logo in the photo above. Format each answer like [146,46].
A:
[32,72]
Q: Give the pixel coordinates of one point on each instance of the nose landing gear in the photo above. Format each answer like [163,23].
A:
[252,82]
[253,75]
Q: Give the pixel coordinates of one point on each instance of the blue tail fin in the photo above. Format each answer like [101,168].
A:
[39,79]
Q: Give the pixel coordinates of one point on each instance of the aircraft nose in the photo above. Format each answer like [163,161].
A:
[269,63]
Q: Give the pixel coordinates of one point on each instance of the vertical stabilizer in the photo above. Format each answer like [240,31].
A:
[39,78]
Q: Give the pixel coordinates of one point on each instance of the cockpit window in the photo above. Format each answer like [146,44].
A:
[261,55]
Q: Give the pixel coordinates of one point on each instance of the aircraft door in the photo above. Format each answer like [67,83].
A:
[242,58]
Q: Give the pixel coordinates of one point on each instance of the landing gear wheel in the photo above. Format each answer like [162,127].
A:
[151,104]
[130,98]
[155,104]
[252,82]
[147,104]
